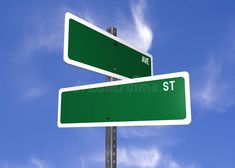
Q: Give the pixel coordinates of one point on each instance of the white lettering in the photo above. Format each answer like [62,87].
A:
[166,85]
[145,60]
[172,84]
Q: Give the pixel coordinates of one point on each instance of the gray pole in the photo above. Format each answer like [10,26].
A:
[111,132]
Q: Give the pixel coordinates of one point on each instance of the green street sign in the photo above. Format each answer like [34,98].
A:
[155,100]
[90,47]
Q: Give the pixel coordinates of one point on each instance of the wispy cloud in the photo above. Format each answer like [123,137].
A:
[134,29]
[139,158]
[34,92]
[30,86]
[137,32]
[142,157]
[41,40]
[214,91]
[32,163]
[161,135]
[89,17]
[144,31]
[46,33]
[82,163]
[149,158]
[37,163]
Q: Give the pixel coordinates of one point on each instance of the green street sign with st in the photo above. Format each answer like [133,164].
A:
[155,100]
[90,47]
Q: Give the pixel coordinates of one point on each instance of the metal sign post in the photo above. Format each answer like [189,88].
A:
[111,132]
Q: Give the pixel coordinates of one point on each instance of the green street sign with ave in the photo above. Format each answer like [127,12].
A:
[155,100]
[90,47]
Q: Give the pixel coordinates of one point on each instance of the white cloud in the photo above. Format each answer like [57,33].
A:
[139,158]
[140,35]
[31,87]
[32,163]
[169,162]
[47,40]
[214,91]
[148,158]
[46,33]
[161,135]
[37,163]
[43,34]
[82,162]
[34,92]
[90,18]
[173,164]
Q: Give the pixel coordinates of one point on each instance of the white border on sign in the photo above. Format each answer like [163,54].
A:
[86,66]
[185,121]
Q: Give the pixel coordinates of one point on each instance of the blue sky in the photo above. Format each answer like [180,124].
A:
[194,36]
